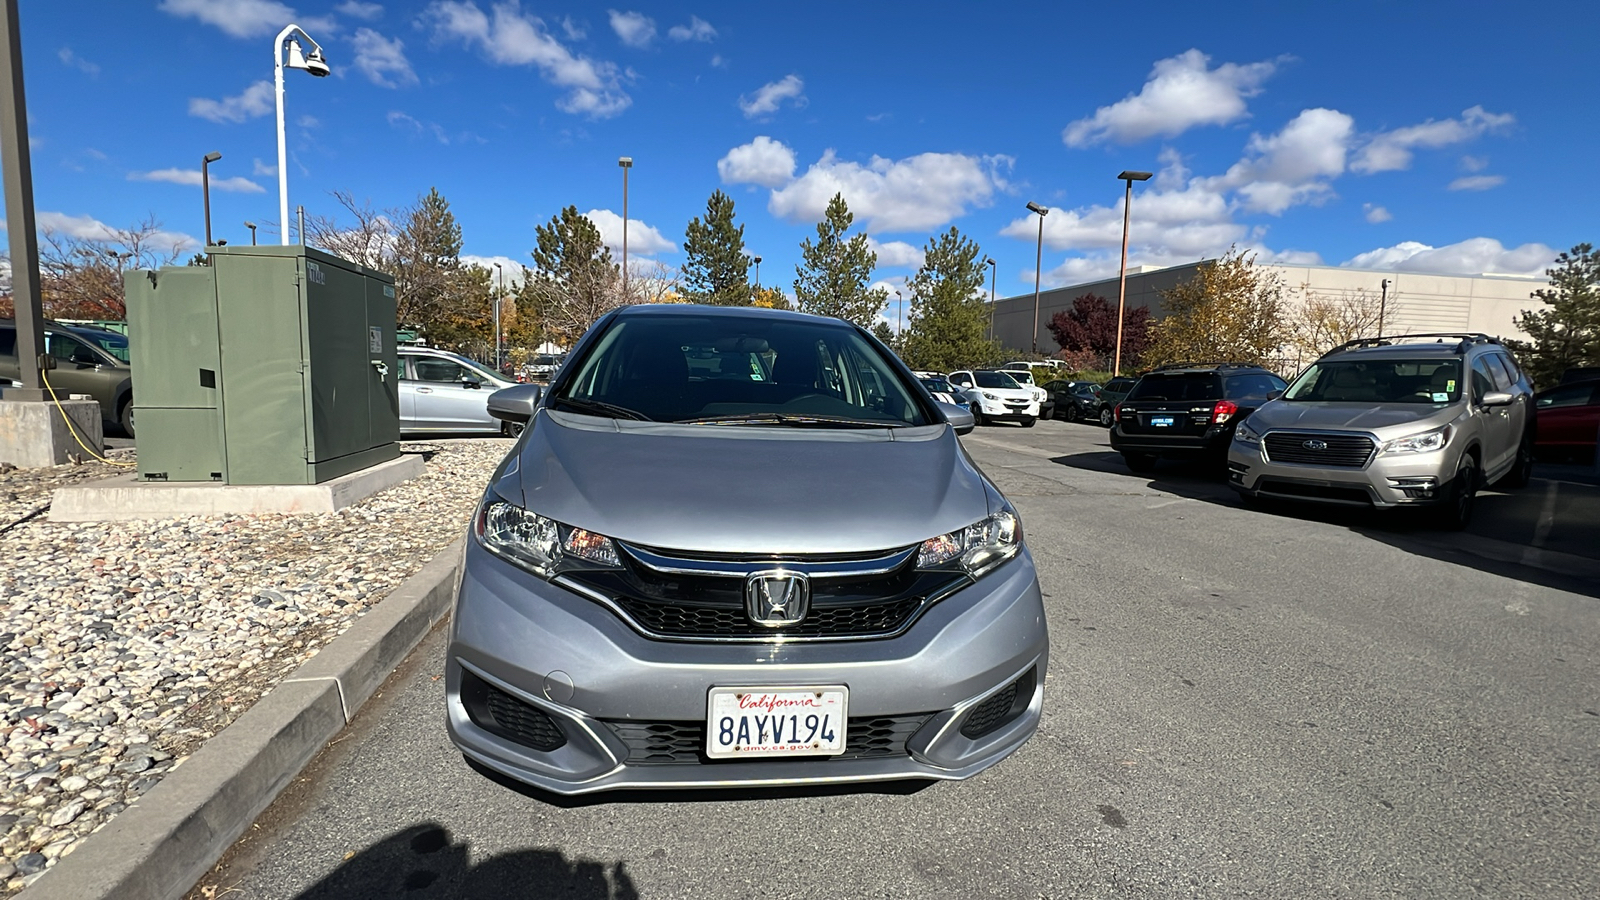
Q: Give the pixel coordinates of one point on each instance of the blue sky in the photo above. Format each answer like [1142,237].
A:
[1451,137]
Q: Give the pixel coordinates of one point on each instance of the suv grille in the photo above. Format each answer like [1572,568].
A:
[1350,451]
[684,743]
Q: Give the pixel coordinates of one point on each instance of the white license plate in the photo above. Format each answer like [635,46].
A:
[744,722]
[1163,421]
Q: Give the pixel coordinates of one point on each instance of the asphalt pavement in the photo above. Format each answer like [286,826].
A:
[1273,704]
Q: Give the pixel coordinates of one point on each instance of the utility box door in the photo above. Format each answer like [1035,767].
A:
[384,399]
[172,317]
[180,445]
[342,377]
[264,416]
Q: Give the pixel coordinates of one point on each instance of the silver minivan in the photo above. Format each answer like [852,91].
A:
[740,546]
[1411,420]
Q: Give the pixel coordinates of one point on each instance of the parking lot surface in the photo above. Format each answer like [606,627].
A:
[1270,704]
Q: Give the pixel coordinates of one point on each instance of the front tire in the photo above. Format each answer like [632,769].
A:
[977,415]
[1521,471]
[1456,511]
[1073,414]
[1028,422]
[1105,417]
[1140,462]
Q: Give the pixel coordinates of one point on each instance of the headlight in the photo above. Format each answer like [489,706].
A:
[978,547]
[1425,442]
[989,396]
[539,544]
[1244,434]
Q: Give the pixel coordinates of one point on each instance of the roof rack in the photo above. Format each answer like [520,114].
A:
[1206,365]
[1466,339]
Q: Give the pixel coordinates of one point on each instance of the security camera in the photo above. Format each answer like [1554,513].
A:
[316,65]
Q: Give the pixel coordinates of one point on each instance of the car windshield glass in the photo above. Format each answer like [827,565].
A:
[938,385]
[1183,386]
[742,370]
[995,380]
[1379,381]
[109,341]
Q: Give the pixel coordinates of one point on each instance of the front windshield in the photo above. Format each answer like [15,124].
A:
[1379,381]
[109,341]
[996,380]
[689,368]
[938,385]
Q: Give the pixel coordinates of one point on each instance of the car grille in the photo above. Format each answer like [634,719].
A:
[1350,451]
[705,601]
[499,713]
[684,743]
[999,709]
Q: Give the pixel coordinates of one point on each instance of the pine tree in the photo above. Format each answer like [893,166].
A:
[832,279]
[1230,311]
[1566,334]
[946,326]
[574,281]
[716,268]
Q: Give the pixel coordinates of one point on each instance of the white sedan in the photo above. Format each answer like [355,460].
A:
[995,396]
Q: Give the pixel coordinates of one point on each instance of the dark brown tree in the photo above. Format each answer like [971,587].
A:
[1091,326]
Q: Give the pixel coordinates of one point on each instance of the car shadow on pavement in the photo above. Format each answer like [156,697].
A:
[700,795]
[1510,534]
[424,861]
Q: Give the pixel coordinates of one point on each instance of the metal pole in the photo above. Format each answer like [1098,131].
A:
[1122,277]
[899,315]
[205,192]
[1383,302]
[18,166]
[499,298]
[1038,262]
[283,149]
[626,162]
[991,297]
[300,213]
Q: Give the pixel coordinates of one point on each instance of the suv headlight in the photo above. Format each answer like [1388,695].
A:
[989,396]
[1425,442]
[1244,434]
[537,543]
[978,547]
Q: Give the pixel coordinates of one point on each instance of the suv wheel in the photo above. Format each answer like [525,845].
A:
[1140,462]
[1456,511]
[512,429]
[1105,417]
[1028,422]
[125,417]
[1522,470]
[977,415]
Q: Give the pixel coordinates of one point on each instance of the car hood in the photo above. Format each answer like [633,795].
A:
[1390,419]
[746,489]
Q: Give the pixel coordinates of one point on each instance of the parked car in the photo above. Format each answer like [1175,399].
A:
[443,392]
[543,366]
[85,364]
[941,389]
[1075,400]
[1569,420]
[995,396]
[1421,420]
[1024,377]
[1111,393]
[682,580]
[1188,411]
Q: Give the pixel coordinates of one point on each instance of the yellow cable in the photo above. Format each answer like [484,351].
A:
[73,428]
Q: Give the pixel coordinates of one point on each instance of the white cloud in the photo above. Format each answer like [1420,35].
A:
[643,240]
[191,177]
[1292,166]
[718,61]
[1477,182]
[511,38]
[912,194]
[1474,163]
[1469,257]
[763,161]
[1392,150]
[511,268]
[895,254]
[769,96]
[257,100]
[356,9]
[573,29]
[698,29]
[308,121]
[633,28]
[239,18]
[400,120]
[382,60]
[77,62]
[1375,214]
[1182,93]
[260,168]
[88,228]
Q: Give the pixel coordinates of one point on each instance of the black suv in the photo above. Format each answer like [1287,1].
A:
[1188,411]
[1114,392]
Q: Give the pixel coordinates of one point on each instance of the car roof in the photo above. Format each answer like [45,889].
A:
[680,310]
[1408,351]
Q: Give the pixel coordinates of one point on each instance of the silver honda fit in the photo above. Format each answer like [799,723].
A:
[740,547]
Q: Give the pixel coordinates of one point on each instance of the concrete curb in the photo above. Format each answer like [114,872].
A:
[159,847]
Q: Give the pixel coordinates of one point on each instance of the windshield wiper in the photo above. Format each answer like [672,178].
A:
[610,410]
[793,420]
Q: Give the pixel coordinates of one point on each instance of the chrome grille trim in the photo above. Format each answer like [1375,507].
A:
[727,568]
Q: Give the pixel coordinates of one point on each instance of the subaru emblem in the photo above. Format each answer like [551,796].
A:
[777,597]
[1315,445]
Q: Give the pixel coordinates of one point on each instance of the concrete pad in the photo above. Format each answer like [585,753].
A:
[124,497]
[160,846]
[34,434]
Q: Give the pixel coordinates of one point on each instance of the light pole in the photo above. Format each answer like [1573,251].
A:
[989,261]
[16,161]
[1038,261]
[252,227]
[205,187]
[899,318]
[626,162]
[297,60]
[758,272]
[499,298]
[1383,301]
[1122,279]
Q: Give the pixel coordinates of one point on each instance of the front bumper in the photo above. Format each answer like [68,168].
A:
[1001,409]
[577,663]
[1410,479]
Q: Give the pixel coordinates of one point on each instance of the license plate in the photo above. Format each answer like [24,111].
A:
[1163,421]
[745,722]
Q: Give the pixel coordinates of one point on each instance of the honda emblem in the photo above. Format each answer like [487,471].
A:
[777,597]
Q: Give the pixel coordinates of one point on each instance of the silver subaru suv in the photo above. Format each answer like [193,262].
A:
[1410,420]
[740,547]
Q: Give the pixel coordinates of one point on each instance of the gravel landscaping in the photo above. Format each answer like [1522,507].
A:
[123,646]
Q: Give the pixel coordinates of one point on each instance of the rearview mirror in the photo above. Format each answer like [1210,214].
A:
[515,404]
[959,417]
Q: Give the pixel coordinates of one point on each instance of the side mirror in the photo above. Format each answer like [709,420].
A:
[1274,395]
[1497,398]
[472,383]
[959,417]
[515,404]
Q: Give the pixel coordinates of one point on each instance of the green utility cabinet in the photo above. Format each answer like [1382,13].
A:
[272,365]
